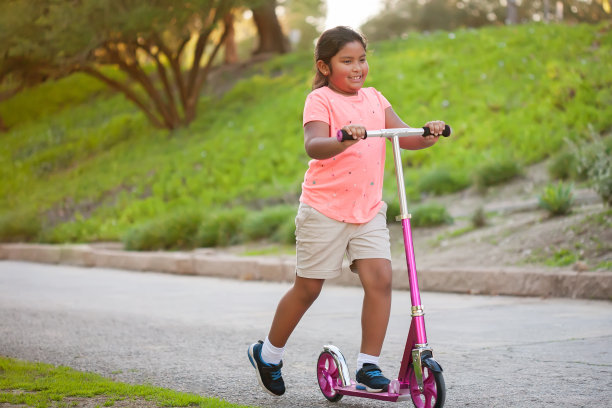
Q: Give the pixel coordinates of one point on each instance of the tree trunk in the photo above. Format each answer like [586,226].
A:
[512,17]
[3,127]
[271,38]
[231,51]
[559,11]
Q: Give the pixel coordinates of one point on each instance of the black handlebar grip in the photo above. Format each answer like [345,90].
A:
[446,132]
[343,135]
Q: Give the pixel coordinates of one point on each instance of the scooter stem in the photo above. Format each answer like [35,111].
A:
[415,295]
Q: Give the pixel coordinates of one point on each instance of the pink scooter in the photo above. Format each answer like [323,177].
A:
[420,377]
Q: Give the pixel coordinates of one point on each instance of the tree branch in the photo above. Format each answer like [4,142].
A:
[175,65]
[161,70]
[135,71]
[124,90]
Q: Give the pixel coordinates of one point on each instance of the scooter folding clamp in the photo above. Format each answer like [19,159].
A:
[417,311]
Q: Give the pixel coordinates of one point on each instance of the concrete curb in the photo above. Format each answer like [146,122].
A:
[499,281]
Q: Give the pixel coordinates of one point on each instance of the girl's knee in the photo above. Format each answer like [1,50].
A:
[308,290]
[379,277]
[385,279]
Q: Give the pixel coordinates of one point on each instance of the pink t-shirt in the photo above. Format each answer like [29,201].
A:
[348,186]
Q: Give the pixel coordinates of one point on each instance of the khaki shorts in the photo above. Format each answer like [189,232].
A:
[322,242]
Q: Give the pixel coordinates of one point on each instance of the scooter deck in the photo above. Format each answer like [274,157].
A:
[404,394]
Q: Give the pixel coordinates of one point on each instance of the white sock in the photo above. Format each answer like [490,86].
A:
[366,358]
[271,354]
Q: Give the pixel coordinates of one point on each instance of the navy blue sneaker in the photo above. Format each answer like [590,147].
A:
[371,379]
[269,375]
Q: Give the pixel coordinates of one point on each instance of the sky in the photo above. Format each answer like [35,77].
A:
[351,13]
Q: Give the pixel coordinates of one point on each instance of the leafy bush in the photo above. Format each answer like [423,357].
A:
[595,160]
[443,181]
[479,218]
[430,215]
[563,166]
[556,199]
[266,223]
[174,231]
[495,172]
[393,210]
[222,228]
[562,257]
[19,226]
[285,234]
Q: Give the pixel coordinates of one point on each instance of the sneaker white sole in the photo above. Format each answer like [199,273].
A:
[368,389]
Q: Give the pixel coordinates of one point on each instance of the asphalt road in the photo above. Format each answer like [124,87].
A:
[191,334]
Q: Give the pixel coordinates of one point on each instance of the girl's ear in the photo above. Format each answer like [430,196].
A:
[323,68]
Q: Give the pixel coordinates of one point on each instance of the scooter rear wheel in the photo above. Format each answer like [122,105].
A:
[434,389]
[328,376]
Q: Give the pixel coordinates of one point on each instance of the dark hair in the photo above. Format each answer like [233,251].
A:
[328,45]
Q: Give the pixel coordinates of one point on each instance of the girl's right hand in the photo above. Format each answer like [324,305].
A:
[356,131]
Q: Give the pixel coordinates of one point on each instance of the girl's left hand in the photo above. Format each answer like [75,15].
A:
[436,127]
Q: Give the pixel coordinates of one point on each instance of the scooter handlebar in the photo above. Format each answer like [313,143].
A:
[342,135]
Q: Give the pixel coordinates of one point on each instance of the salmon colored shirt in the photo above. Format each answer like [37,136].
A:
[348,186]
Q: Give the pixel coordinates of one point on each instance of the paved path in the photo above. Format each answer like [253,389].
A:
[191,334]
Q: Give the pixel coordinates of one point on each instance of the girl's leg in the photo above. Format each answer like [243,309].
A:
[375,276]
[292,307]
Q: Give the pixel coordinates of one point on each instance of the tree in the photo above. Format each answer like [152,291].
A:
[19,68]
[163,48]
[271,37]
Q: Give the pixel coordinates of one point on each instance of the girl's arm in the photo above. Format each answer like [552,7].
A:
[320,146]
[413,142]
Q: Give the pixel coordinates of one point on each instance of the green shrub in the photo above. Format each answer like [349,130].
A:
[495,172]
[430,215]
[265,223]
[174,231]
[562,257]
[563,166]
[595,160]
[285,234]
[443,181]
[556,199]
[479,218]
[19,226]
[222,228]
[393,210]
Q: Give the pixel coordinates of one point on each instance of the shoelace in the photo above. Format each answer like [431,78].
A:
[276,375]
[374,373]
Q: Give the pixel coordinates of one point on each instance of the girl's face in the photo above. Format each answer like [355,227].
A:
[348,69]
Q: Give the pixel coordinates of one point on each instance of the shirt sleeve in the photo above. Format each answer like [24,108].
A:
[316,109]
[384,103]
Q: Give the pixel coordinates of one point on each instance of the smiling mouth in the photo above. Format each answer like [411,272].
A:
[355,78]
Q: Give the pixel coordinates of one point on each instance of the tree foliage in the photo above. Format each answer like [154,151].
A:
[163,48]
[399,17]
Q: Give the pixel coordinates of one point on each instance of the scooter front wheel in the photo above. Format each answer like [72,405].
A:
[434,389]
[328,376]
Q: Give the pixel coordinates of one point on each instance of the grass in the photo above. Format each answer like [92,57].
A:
[43,385]
[81,164]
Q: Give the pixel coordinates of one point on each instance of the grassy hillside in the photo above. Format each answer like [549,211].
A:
[82,164]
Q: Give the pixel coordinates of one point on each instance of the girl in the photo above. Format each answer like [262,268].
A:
[341,210]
